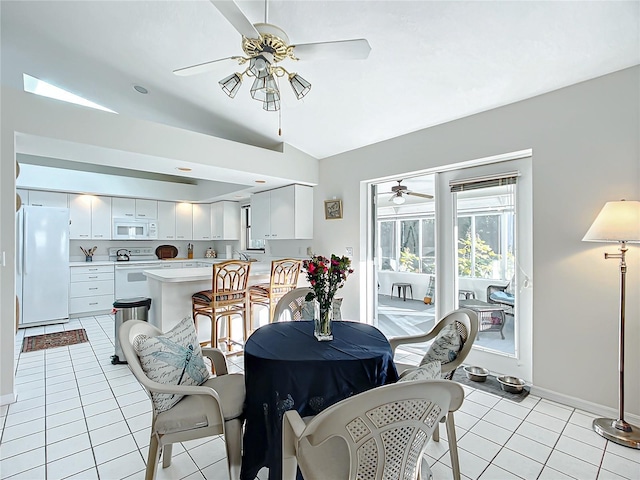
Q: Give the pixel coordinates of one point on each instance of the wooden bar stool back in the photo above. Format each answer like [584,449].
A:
[228,297]
[284,278]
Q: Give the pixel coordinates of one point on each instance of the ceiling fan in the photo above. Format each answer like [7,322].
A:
[399,191]
[265,45]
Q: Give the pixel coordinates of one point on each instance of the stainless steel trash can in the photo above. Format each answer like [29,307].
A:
[128,309]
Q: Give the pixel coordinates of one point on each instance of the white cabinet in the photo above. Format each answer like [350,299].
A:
[283,213]
[201,221]
[91,289]
[184,221]
[225,221]
[166,220]
[134,208]
[90,217]
[101,218]
[146,208]
[260,215]
[39,198]
[123,207]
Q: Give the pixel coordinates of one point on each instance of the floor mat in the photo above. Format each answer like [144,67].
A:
[490,385]
[53,340]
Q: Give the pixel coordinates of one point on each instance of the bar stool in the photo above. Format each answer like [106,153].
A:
[283,279]
[228,297]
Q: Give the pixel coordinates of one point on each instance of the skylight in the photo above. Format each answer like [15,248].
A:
[39,87]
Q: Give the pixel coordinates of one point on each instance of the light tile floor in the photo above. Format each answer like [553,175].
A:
[78,416]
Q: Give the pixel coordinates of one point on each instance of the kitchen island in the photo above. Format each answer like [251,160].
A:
[171,292]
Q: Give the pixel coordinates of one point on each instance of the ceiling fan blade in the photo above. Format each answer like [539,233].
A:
[340,50]
[423,195]
[199,68]
[231,11]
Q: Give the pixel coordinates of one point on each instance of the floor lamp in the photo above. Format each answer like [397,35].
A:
[618,222]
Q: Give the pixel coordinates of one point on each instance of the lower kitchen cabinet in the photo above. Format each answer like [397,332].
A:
[91,289]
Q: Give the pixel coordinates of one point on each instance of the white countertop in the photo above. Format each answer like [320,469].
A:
[210,261]
[177,275]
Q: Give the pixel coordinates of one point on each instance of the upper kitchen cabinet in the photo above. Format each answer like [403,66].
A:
[134,208]
[90,217]
[39,198]
[225,221]
[184,221]
[166,220]
[283,213]
[201,221]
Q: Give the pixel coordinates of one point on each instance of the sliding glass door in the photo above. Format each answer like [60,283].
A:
[468,246]
[486,259]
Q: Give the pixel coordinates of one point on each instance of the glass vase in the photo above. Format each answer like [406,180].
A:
[322,322]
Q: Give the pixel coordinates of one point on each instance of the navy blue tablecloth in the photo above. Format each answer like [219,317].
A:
[287,368]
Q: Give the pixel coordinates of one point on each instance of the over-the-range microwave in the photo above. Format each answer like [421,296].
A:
[127,229]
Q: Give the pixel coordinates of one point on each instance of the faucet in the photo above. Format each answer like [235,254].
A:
[243,256]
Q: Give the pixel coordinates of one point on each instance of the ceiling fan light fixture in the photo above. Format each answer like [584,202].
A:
[260,66]
[231,84]
[271,102]
[299,85]
[398,199]
[263,86]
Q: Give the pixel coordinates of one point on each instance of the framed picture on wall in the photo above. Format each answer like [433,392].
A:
[332,209]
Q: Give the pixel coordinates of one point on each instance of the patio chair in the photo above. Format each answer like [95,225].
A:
[465,322]
[213,408]
[381,433]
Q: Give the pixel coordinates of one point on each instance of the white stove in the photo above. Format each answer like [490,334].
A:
[130,281]
[135,254]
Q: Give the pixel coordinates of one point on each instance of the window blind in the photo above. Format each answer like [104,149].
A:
[483,182]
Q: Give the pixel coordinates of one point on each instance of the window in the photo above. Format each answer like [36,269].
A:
[407,245]
[250,243]
[486,241]
[42,88]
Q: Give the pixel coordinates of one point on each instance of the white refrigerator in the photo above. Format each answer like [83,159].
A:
[42,265]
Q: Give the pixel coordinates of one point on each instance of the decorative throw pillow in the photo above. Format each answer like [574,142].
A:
[174,358]
[445,347]
[428,371]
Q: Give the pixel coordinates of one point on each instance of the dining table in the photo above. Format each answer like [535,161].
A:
[287,368]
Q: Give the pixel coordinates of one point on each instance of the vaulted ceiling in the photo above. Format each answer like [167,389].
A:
[430,61]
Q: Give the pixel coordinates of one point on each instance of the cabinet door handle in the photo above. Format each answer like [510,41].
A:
[141,215]
[128,214]
[93,269]
[93,288]
[94,276]
[93,303]
[83,235]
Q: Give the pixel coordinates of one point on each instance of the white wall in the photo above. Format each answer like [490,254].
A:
[38,118]
[585,153]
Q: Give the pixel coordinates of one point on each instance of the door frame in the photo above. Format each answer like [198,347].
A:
[446,260]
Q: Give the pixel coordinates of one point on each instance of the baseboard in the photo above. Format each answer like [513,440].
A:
[581,404]
[8,398]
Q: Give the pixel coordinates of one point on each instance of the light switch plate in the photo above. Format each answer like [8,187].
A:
[349,251]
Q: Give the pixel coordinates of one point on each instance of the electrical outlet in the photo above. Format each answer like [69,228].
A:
[349,251]
[309,252]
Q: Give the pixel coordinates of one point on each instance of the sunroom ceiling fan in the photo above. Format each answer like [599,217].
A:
[265,45]
[399,191]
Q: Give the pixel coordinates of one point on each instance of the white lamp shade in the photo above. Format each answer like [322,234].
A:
[616,222]
[398,199]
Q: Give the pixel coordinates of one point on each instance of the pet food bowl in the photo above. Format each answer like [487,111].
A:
[476,374]
[511,384]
